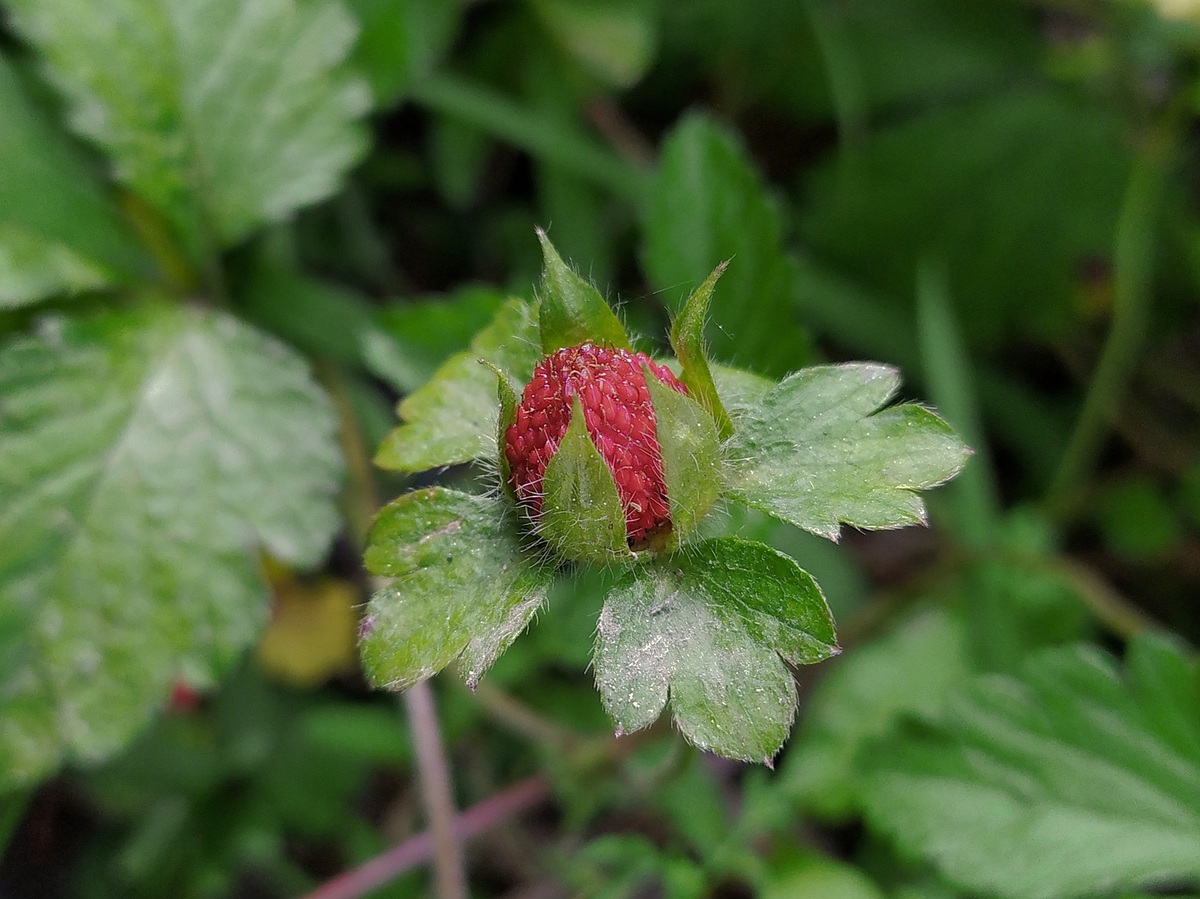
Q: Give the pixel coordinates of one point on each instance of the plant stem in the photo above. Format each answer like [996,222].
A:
[537,134]
[412,852]
[449,873]
[1132,262]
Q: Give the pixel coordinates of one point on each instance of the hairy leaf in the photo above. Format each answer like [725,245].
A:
[223,114]
[464,587]
[707,627]
[1071,779]
[453,418]
[144,456]
[815,451]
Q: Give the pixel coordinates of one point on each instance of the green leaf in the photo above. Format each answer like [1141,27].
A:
[691,455]
[453,418]
[1068,780]
[708,626]
[813,454]
[614,40]
[31,269]
[709,204]
[50,197]
[687,340]
[223,114]
[464,588]
[912,668]
[582,516]
[572,310]
[144,455]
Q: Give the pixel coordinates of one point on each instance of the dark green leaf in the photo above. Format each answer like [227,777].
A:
[581,516]
[709,204]
[464,588]
[708,626]
[143,456]
[453,418]
[691,455]
[52,203]
[1069,780]
[572,310]
[815,452]
[687,340]
[223,114]
[400,41]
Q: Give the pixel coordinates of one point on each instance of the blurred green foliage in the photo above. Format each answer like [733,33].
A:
[224,222]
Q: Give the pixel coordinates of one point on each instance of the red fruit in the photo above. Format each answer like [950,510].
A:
[620,420]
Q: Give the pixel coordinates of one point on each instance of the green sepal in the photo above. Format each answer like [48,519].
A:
[691,455]
[687,340]
[464,587]
[582,517]
[507,396]
[572,310]
[710,627]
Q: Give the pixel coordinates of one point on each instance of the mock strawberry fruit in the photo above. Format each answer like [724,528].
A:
[620,420]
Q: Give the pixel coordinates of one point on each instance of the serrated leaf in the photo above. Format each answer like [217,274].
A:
[582,516]
[709,204]
[1068,780]
[572,310]
[708,627]
[464,588]
[453,418]
[223,114]
[910,669]
[144,455]
[33,269]
[687,340]
[816,452]
[50,196]
[691,455]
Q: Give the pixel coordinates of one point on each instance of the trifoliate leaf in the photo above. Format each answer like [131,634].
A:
[581,515]
[144,454]
[223,114]
[452,419]
[1068,780]
[687,340]
[815,451]
[691,455]
[464,587]
[572,310]
[709,204]
[707,627]
[50,197]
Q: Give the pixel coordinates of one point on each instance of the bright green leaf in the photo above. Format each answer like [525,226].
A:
[910,669]
[32,269]
[613,39]
[144,455]
[815,452]
[223,114]
[453,418]
[1069,780]
[51,198]
[582,516]
[691,455]
[687,340]
[709,204]
[572,310]
[708,626]
[464,588]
